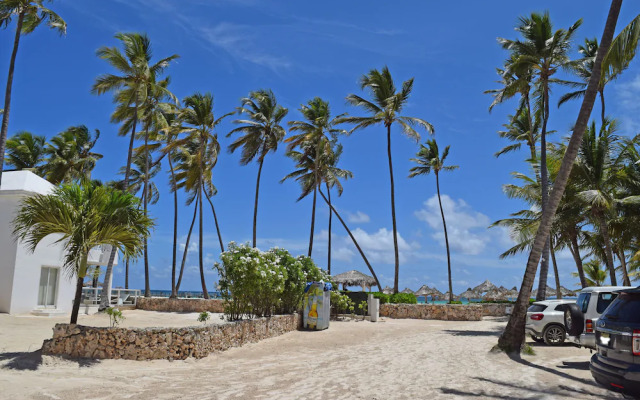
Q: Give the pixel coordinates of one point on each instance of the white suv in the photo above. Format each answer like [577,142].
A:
[545,321]
[580,319]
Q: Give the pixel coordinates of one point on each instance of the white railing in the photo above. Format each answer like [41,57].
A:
[92,296]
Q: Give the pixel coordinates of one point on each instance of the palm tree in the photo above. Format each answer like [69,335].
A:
[70,157]
[86,216]
[200,155]
[30,14]
[25,151]
[512,339]
[385,109]
[131,88]
[430,160]
[262,132]
[315,131]
[543,51]
[595,275]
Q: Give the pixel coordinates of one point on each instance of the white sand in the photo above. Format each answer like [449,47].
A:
[392,359]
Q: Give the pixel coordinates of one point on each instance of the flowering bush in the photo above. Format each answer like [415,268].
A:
[257,284]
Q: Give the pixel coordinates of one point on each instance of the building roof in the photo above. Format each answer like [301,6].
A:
[354,278]
[24,181]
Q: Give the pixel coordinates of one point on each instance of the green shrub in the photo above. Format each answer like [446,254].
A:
[456,302]
[204,317]
[115,316]
[300,271]
[403,298]
[384,298]
[341,303]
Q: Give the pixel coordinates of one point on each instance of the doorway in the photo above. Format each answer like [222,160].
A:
[48,289]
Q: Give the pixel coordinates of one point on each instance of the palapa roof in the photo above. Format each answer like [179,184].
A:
[567,292]
[446,296]
[407,290]
[354,278]
[427,291]
[484,287]
[549,293]
[469,294]
[387,290]
[495,294]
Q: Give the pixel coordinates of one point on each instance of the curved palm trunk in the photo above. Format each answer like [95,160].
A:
[604,230]
[329,244]
[130,153]
[544,186]
[7,95]
[78,297]
[174,292]
[555,271]
[205,293]
[575,251]
[215,219]
[623,265]
[512,338]
[186,247]
[602,115]
[126,273]
[353,239]
[393,214]
[313,221]
[446,238]
[255,206]
[147,286]
[105,298]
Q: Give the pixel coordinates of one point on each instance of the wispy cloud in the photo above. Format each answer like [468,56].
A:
[358,218]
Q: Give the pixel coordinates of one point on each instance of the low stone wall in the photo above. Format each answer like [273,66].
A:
[180,305]
[446,312]
[495,309]
[79,341]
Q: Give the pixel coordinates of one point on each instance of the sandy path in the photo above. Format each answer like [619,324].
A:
[397,359]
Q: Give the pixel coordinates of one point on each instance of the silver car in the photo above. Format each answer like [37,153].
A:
[545,321]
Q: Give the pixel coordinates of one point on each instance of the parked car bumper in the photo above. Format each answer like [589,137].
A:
[532,330]
[621,377]
[587,340]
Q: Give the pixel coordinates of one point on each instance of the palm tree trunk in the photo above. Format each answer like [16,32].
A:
[604,230]
[393,214]
[313,221]
[205,293]
[601,91]
[623,265]
[125,183]
[255,206]
[446,238]
[512,338]
[215,219]
[186,247]
[174,292]
[7,95]
[96,275]
[353,239]
[79,282]
[575,251]
[145,199]
[555,271]
[329,240]
[544,184]
[126,273]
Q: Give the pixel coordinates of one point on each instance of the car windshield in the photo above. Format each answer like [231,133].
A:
[604,299]
[625,309]
[583,301]
[537,308]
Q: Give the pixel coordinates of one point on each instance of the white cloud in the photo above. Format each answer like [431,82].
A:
[358,218]
[626,95]
[466,228]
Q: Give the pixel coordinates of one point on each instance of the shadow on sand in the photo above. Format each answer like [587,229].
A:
[31,361]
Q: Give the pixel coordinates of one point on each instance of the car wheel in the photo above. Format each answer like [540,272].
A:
[554,335]
[574,320]
[536,339]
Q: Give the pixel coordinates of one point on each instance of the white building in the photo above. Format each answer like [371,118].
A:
[32,282]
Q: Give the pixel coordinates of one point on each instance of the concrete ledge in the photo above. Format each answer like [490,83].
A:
[78,341]
[180,305]
[445,312]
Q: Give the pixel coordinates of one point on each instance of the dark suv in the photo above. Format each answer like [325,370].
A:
[616,364]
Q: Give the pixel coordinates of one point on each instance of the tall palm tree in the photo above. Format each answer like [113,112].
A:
[544,52]
[86,216]
[385,108]
[70,156]
[30,14]
[130,88]
[512,339]
[430,160]
[196,173]
[262,132]
[316,131]
[25,151]
[594,272]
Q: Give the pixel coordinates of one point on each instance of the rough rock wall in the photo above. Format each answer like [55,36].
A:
[446,312]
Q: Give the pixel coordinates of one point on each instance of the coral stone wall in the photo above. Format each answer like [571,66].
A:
[79,341]
[180,305]
[496,309]
[447,312]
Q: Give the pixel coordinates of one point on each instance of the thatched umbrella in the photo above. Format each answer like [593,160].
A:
[484,287]
[551,292]
[446,297]
[513,293]
[469,294]
[427,291]
[354,278]
[566,292]
[495,294]
[407,290]
[387,290]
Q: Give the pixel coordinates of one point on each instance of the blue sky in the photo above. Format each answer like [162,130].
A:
[300,51]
